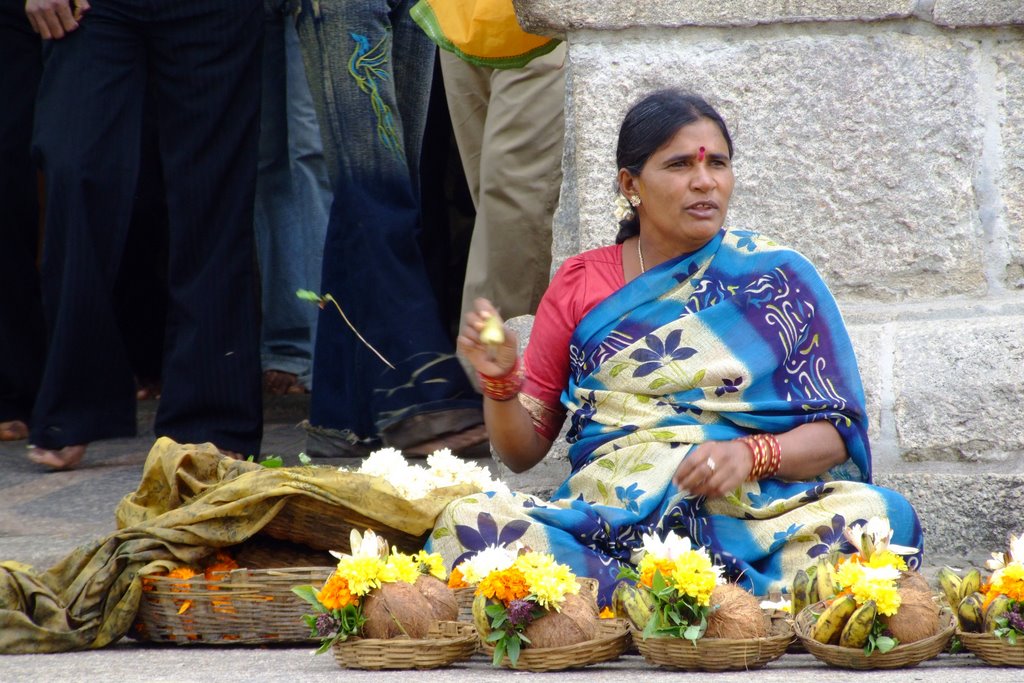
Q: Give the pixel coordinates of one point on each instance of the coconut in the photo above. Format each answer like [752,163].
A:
[912,579]
[396,609]
[575,623]
[916,619]
[735,613]
[443,605]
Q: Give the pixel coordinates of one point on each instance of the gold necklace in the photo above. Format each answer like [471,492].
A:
[640,253]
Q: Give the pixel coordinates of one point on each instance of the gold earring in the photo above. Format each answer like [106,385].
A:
[634,199]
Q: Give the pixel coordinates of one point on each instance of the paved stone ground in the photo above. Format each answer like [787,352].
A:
[44,515]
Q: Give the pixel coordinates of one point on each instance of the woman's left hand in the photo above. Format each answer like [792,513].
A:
[714,468]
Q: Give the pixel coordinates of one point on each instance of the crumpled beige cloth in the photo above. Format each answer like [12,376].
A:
[191,500]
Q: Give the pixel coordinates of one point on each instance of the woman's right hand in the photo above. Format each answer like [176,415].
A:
[494,360]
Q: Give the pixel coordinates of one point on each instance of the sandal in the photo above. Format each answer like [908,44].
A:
[59,459]
[279,383]
[14,430]
[468,443]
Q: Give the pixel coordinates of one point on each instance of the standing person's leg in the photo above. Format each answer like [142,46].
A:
[22,335]
[206,65]
[372,262]
[520,175]
[90,160]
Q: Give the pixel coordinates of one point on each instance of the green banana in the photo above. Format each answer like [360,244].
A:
[950,582]
[829,625]
[858,626]
[480,620]
[970,583]
[800,593]
[970,614]
[812,587]
[997,608]
[825,578]
[630,602]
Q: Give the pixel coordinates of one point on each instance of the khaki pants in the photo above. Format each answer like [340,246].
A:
[509,127]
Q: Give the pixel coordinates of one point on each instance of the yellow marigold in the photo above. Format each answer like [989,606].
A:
[693,575]
[1009,581]
[606,613]
[550,584]
[505,585]
[335,594]
[849,573]
[650,564]
[888,558]
[455,579]
[433,563]
[362,573]
[882,591]
[400,567]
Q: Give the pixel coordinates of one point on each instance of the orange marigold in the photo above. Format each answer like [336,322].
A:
[456,580]
[651,565]
[222,562]
[506,585]
[606,613]
[335,593]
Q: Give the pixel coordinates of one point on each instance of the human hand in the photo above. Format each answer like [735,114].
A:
[54,19]
[714,468]
[494,360]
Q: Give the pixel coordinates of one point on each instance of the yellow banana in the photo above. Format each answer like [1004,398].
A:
[858,626]
[997,608]
[630,602]
[970,583]
[970,614]
[480,620]
[950,582]
[825,578]
[800,593]
[829,625]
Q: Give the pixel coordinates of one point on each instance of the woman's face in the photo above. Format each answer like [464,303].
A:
[684,189]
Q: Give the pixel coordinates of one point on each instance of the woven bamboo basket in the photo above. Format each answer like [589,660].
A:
[447,642]
[323,526]
[611,641]
[247,606]
[717,654]
[992,650]
[901,656]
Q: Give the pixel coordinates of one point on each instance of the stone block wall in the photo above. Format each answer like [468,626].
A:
[884,139]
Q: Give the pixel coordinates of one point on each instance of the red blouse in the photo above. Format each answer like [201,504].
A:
[581,283]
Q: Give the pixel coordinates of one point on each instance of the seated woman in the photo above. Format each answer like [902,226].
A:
[708,376]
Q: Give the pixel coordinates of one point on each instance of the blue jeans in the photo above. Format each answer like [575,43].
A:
[293,197]
[370,71]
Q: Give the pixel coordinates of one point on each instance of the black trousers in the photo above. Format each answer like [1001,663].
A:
[201,58]
[21,322]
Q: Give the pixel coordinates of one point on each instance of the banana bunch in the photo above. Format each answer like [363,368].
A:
[955,588]
[844,623]
[969,603]
[818,582]
[630,602]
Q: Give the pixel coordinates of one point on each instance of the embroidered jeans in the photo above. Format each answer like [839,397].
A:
[369,70]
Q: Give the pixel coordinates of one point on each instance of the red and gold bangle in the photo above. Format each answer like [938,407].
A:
[767,455]
[505,387]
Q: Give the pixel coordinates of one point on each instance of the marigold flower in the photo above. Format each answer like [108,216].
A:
[887,558]
[400,567]
[693,574]
[362,573]
[606,613]
[505,585]
[455,579]
[336,593]
[650,564]
[430,563]
[1009,581]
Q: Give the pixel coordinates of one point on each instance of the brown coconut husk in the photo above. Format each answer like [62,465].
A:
[916,619]
[913,580]
[735,613]
[576,623]
[443,604]
[395,610]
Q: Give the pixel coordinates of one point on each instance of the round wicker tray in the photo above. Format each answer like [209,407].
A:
[611,641]
[446,643]
[323,526]
[994,651]
[247,606]
[899,657]
[717,654]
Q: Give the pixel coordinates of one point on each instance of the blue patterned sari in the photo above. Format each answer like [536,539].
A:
[739,337]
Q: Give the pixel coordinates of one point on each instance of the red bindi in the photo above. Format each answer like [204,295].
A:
[700,155]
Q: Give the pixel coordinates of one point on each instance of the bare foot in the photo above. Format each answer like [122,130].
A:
[15,430]
[61,459]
